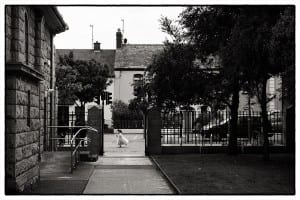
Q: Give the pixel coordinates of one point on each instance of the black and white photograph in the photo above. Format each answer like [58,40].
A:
[148,100]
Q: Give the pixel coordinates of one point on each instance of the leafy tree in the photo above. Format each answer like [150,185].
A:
[251,51]
[79,80]
[240,37]
[172,76]
[282,51]
[210,29]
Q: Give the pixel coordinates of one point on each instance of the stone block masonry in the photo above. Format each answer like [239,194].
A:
[22,134]
[26,81]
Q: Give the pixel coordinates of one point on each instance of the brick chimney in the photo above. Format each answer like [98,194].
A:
[119,38]
[97,46]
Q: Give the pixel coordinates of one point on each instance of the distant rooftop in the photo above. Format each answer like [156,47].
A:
[136,55]
[104,56]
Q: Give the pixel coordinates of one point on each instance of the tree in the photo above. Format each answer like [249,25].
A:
[252,41]
[282,48]
[172,76]
[240,36]
[79,80]
[210,31]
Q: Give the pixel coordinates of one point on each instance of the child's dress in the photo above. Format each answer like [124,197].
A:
[121,140]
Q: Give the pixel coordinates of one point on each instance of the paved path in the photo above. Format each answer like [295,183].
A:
[126,170]
[55,176]
[126,175]
[123,170]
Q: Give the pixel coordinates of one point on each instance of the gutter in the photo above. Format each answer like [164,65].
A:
[64,25]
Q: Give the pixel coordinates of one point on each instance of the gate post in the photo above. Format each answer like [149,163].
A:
[95,121]
[153,136]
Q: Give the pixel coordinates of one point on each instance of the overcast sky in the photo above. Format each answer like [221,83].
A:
[141,25]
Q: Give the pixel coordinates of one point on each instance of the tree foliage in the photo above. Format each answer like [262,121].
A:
[173,78]
[249,43]
[121,111]
[282,47]
[80,80]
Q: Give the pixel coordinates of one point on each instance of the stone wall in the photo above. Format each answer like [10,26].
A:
[22,136]
[26,119]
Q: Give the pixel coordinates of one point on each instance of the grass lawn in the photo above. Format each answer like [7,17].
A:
[223,174]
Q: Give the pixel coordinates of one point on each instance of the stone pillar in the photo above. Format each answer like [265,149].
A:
[95,121]
[153,138]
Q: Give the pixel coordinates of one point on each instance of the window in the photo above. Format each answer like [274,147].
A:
[26,40]
[137,79]
[28,108]
[137,84]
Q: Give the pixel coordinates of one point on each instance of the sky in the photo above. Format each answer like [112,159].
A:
[141,25]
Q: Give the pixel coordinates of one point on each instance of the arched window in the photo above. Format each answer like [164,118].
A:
[26,40]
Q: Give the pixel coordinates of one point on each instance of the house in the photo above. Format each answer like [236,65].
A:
[29,96]
[273,92]
[126,63]
[131,61]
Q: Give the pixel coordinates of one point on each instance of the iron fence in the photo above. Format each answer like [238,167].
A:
[67,120]
[128,124]
[181,128]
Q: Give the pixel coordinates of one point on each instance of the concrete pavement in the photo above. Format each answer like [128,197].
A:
[123,170]
[126,170]
[130,175]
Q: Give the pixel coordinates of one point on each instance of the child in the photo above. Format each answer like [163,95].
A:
[121,139]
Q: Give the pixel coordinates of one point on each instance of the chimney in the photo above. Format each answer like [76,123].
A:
[119,38]
[97,46]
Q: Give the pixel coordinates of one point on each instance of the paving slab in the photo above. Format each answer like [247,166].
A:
[127,181]
[59,187]
[122,161]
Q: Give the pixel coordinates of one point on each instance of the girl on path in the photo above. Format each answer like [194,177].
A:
[121,140]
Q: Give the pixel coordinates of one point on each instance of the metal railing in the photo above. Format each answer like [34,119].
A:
[74,143]
[180,128]
[128,124]
[75,153]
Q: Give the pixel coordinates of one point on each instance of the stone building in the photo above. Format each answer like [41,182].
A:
[29,90]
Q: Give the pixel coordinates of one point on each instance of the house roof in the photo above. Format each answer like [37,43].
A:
[136,55]
[104,56]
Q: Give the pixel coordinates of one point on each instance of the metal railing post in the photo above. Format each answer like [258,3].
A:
[71,147]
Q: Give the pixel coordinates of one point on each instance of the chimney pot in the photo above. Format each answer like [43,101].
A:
[119,38]
[97,46]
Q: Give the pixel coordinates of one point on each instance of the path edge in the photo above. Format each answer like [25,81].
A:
[170,182]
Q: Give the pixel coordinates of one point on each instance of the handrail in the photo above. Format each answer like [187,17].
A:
[75,151]
[67,126]
[84,128]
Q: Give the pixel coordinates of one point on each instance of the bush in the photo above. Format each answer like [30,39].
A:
[120,111]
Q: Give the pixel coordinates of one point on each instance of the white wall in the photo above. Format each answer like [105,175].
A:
[123,89]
